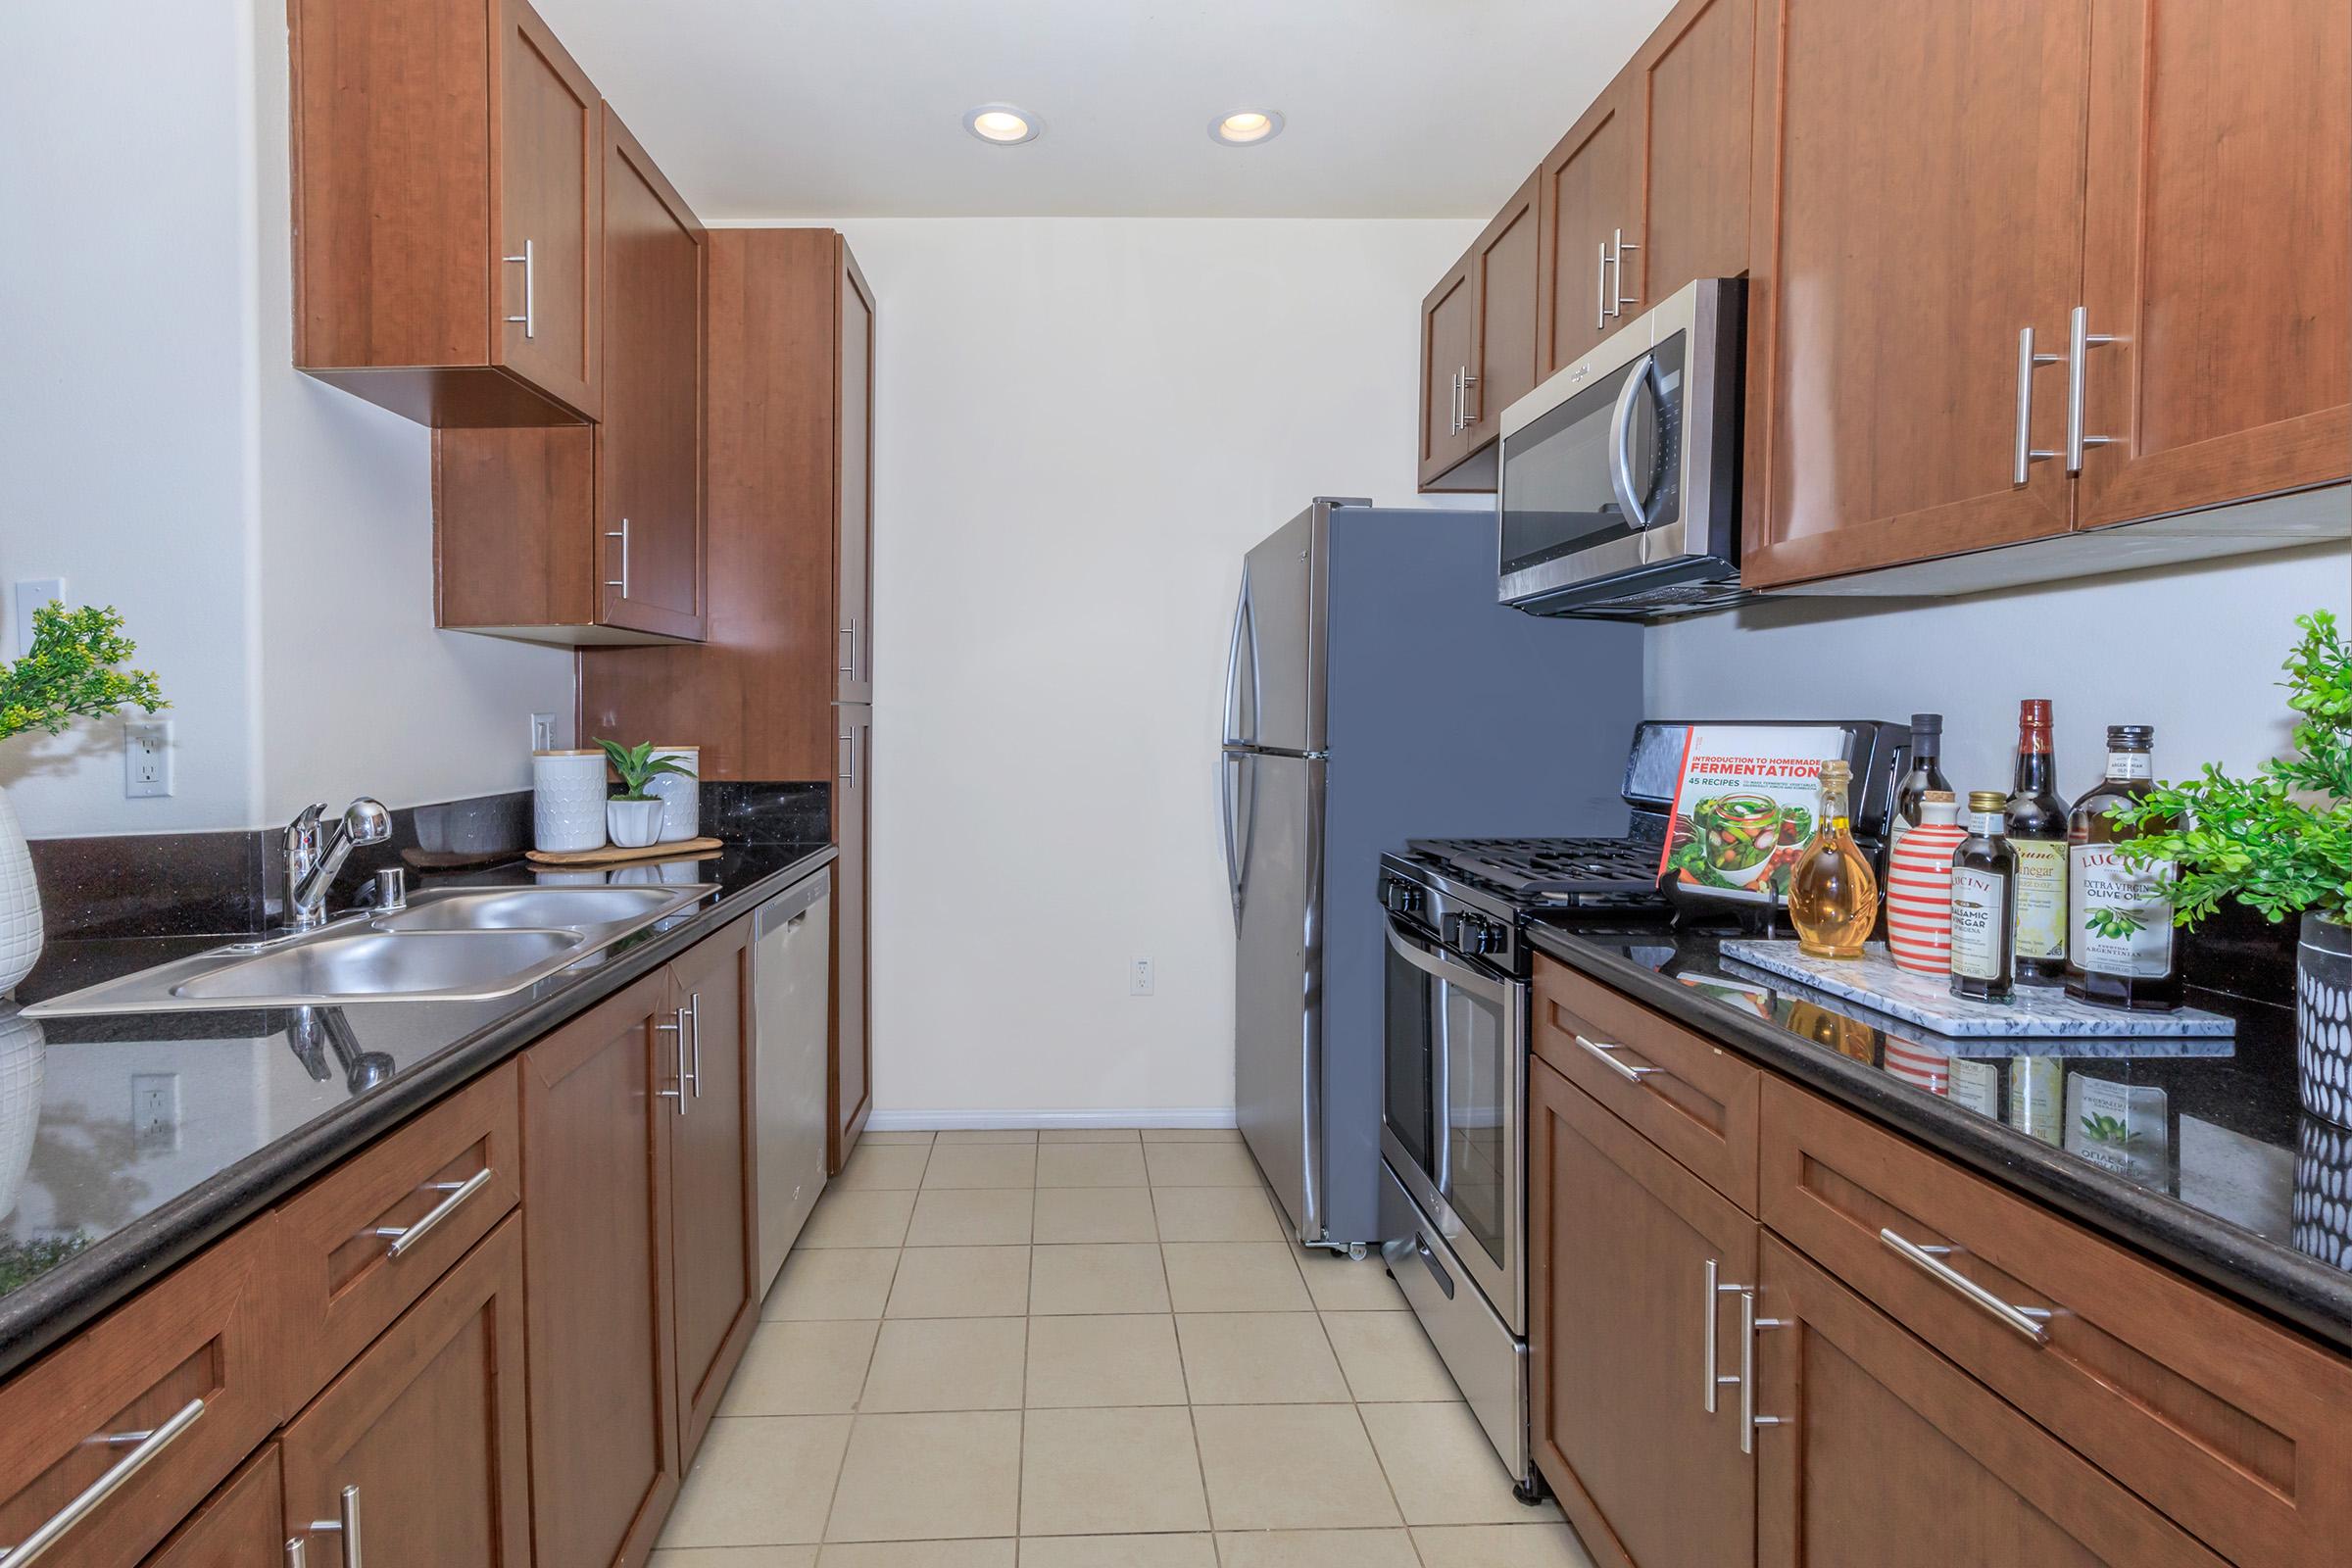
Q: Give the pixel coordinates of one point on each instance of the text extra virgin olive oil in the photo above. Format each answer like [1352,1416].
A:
[2120,951]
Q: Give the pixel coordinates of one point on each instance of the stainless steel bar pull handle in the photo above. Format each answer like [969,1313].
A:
[2027,362]
[145,1449]
[298,1554]
[693,1018]
[1468,381]
[622,535]
[2025,1320]
[676,1030]
[1601,289]
[1716,1290]
[849,648]
[1602,1052]
[404,1237]
[851,773]
[529,320]
[2079,341]
[1617,259]
[1750,1326]
[346,1523]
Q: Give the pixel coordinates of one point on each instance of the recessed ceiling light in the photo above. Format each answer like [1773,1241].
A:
[1002,123]
[1245,127]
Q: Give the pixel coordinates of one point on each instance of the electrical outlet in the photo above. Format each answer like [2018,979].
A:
[543,732]
[146,758]
[31,596]
[1139,977]
[154,1112]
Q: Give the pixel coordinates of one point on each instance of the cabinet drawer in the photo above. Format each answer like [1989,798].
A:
[371,1236]
[163,1397]
[1689,1095]
[240,1526]
[2232,1426]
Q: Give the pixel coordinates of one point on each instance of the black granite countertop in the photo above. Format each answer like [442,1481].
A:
[2208,1163]
[255,1102]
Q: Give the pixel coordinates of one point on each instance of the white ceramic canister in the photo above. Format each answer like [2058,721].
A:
[680,795]
[567,800]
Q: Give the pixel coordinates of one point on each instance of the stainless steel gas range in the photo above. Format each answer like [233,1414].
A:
[1454,1020]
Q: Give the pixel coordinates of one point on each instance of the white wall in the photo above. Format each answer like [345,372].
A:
[268,539]
[1081,426]
[2195,651]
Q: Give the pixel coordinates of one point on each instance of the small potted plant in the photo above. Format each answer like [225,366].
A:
[71,671]
[633,818]
[2280,842]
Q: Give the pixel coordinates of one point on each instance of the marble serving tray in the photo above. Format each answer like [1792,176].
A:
[1877,981]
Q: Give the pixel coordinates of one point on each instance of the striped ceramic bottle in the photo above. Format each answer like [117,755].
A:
[1919,886]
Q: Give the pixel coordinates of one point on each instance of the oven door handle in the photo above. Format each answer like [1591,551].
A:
[1438,966]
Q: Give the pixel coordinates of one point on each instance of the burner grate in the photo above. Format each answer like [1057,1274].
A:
[1549,868]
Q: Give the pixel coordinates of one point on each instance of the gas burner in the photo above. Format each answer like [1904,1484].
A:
[1551,871]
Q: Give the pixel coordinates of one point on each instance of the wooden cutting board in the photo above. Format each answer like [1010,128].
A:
[674,850]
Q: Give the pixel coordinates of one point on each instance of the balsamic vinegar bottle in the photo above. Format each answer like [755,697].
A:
[1983,897]
[2120,951]
[2037,822]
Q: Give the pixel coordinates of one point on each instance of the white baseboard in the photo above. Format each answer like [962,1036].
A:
[893,1121]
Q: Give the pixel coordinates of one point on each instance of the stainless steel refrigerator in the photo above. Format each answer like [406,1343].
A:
[1376,690]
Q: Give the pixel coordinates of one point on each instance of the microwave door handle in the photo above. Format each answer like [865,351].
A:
[1621,437]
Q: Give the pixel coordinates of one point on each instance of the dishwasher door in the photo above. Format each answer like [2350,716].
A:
[792,973]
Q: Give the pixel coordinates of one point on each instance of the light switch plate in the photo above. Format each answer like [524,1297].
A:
[31,596]
[146,758]
[543,732]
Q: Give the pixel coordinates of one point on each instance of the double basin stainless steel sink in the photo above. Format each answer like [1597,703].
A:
[448,945]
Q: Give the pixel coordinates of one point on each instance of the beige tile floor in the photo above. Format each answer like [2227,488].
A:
[1091,1348]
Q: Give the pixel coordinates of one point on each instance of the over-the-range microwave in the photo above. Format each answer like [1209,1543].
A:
[1619,493]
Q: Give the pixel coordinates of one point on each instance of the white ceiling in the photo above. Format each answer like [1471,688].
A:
[855,108]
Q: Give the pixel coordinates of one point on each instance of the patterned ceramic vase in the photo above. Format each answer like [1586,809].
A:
[2323,1211]
[23,1055]
[20,901]
[567,800]
[1919,887]
[680,794]
[2323,1017]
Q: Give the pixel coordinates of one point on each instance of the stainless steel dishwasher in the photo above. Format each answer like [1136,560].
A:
[792,936]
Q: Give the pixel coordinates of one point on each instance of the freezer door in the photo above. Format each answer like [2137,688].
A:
[1278,982]
[1284,629]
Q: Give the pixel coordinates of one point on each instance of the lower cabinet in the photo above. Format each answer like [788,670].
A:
[414,1456]
[242,1525]
[850,1090]
[597,1127]
[1639,1275]
[712,1176]
[1881,1452]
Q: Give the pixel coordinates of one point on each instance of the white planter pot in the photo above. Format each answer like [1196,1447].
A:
[567,800]
[20,901]
[633,824]
[680,794]
[2323,1017]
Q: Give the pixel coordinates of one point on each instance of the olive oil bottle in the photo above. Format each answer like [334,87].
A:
[1984,902]
[1833,895]
[2037,822]
[2120,951]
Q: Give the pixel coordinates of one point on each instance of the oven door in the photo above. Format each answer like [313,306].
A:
[1454,1107]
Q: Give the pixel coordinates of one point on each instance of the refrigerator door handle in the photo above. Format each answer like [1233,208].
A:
[1243,625]
[1229,797]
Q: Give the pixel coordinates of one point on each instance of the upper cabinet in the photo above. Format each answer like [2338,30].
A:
[1447,316]
[1479,340]
[1591,210]
[595,534]
[2089,266]
[447,210]
[854,482]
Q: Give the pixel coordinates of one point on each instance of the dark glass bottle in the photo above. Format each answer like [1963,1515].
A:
[1983,900]
[2037,822]
[2120,951]
[1927,768]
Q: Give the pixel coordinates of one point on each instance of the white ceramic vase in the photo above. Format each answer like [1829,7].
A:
[567,800]
[633,824]
[23,1055]
[20,901]
[680,794]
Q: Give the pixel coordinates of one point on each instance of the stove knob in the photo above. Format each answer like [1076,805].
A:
[1474,935]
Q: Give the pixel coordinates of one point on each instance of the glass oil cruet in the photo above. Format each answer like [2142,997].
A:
[1833,897]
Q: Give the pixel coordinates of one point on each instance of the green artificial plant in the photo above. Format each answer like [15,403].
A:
[73,671]
[637,766]
[2281,840]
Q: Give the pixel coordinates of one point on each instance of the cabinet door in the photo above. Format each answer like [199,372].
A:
[1695,77]
[545,190]
[2218,252]
[599,1099]
[1502,274]
[648,500]
[1590,192]
[713,1212]
[1885,1453]
[854,376]
[1918,201]
[1638,1269]
[417,1448]
[852,1080]
[1448,319]
[242,1525]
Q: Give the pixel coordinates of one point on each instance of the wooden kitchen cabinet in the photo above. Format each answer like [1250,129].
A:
[1589,194]
[1479,349]
[447,210]
[714,1176]
[1881,1452]
[2217,251]
[598,1120]
[853,486]
[1694,80]
[588,536]
[1638,1269]
[243,1525]
[419,1446]
[1448,316]
[849,1081]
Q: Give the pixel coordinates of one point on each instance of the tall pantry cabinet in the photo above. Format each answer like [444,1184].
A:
[780,689]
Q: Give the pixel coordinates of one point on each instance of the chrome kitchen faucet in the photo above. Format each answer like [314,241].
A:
[312,859]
